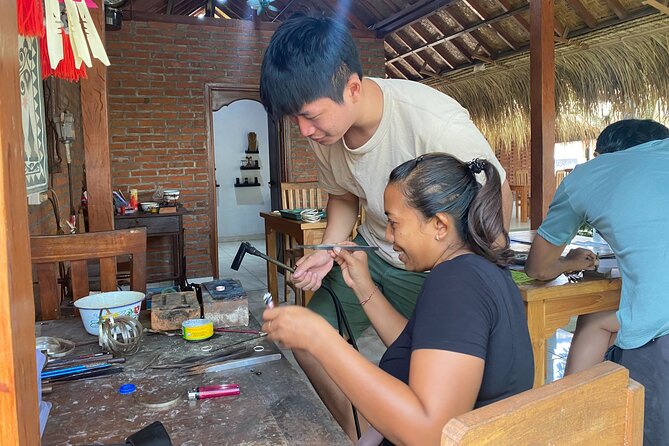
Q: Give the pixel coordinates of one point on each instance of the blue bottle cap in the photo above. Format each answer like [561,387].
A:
[126,389]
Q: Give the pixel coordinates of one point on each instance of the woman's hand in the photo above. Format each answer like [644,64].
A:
[354,268]
[296,327]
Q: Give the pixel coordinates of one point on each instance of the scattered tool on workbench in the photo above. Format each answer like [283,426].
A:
[236,330]
[214,391]
[233,364]
[89,374]
[199,360]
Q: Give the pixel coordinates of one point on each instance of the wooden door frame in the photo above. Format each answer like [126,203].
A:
[19,415]
[278,149]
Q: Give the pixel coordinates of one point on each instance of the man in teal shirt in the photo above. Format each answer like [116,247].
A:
[624,194]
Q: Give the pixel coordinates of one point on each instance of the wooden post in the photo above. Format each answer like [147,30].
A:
[95,123]
[542,108]
[19,419]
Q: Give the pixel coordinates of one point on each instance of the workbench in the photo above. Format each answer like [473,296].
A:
[276,406]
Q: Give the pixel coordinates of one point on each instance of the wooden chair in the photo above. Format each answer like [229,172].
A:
[48,251]
[600,405]
[302,195]
[298,196]
[559,176]
[522,187]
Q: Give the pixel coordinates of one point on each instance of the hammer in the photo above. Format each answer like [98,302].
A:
[246,247]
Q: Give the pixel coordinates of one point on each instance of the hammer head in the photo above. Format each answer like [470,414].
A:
[241,252]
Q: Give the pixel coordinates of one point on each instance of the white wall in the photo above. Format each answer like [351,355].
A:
[238,208]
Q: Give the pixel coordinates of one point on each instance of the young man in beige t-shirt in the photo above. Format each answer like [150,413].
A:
[360,129]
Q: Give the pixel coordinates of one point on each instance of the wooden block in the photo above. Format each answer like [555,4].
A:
[170,310]
[230,308]
[168,210]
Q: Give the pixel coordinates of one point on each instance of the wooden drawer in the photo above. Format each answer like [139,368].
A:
[154,225]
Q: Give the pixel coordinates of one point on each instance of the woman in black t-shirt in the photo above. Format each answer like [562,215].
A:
[466,344]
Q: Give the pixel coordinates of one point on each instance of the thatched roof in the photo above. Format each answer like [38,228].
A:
[602,77]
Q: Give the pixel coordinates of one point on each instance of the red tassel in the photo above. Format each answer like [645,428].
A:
[44,58]
[81,71]
[66,69]
[30,15]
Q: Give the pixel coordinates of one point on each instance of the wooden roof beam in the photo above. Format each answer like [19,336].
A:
[398,73]
[449,38]
[583,13]
[617,8]
[612,22]
[221,14]
[506,6]
[404,42]
[426,56]
[425,37]
[282,9]
[188,7]
[462,49]
[400,65]
[409,15]
[371,7]
[497,28]
[337,8]
[474,34]
[397,65]
[657,5]
[170,7]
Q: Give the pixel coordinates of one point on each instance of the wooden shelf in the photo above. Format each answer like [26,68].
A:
[247,185]
[252,153]
[249,168]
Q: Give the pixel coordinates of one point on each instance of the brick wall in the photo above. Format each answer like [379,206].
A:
[157,111]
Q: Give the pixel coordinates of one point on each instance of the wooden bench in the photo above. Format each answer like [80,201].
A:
[599,406]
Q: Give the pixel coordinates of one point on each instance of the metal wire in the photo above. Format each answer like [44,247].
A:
[120,335]
[310,215]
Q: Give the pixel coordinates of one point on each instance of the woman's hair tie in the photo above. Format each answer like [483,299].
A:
[477,165]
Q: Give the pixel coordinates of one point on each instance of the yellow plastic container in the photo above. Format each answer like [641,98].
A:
[197,329]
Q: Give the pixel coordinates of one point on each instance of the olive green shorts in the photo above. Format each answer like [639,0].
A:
[399,286]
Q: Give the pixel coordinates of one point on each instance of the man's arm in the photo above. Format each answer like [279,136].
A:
[342,213]
[545,262]
[313,267]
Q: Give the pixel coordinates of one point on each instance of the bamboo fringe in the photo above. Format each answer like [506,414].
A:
[619,75]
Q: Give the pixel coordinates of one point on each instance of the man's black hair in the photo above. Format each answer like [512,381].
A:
[628,133]
[307,59]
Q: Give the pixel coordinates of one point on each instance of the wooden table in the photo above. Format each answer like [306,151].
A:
[275,407]
[550,305]
[304,233]
[161,225]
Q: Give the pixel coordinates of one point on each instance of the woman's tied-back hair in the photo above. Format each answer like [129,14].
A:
[307,59]
[438,182]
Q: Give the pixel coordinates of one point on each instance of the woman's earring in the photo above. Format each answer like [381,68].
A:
[436,237]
